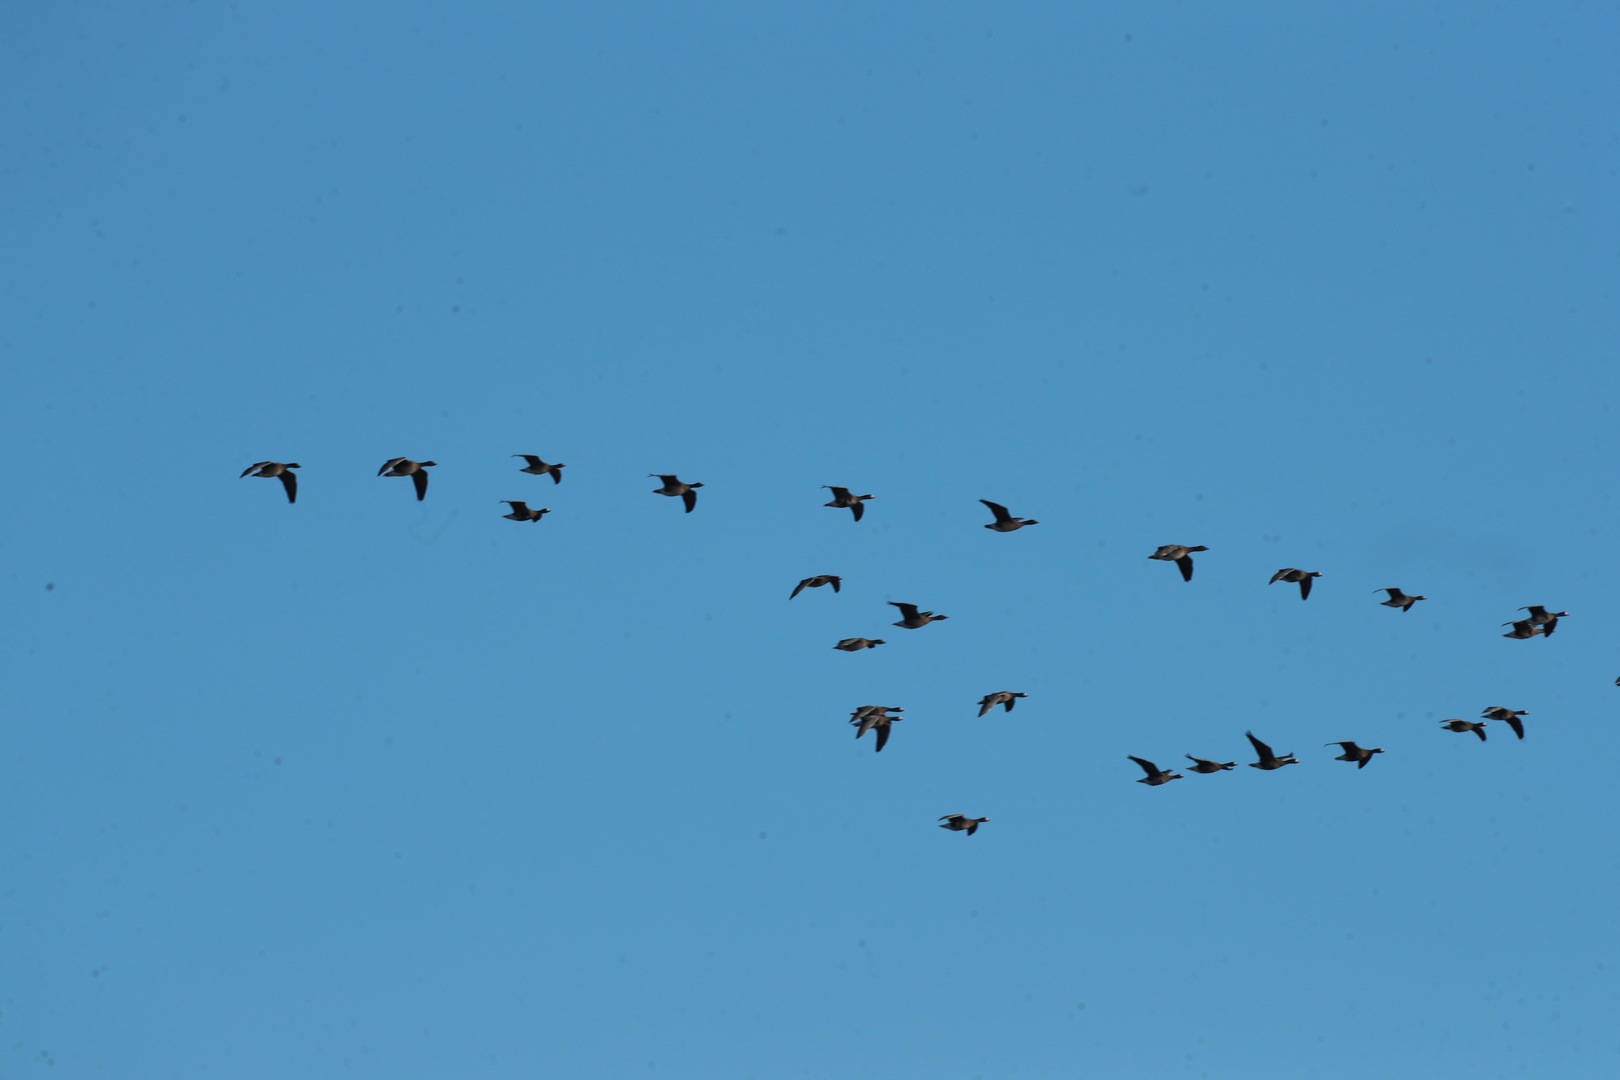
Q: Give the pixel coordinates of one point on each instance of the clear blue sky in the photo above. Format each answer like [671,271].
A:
[363,787]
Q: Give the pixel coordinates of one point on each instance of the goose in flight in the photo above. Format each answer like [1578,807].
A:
[406,467]
[915,619]
[1005,698]
[1155,775]
[856,644]
[1358,754]
[815,583]
[1005,522]
[269,469]
[1399,599]
[521,511]
[540,468]
[1304,577]
[1476,726]
[1268,760]
[1181,555]
[673,486]
[843,500]
[962,823]
[1204,765]
[1510,717]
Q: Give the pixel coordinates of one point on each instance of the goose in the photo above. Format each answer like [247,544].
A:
[1302,576]
[1540,616]
[815,583]
[1005,522]
[915,619]
[875,718]
[1476,726]
[1358,754]
[1268,760]
[1399,599]
[843,500]
[521,511]
[673,486]
[1005,698]
[1510,717]
[1181,555]
[962,823]
[269,469]
[1155,775]
[540,468]
[406,467]
[1523,629]
[856,644]
[1204,765]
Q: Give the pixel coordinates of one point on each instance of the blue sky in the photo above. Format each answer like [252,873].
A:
[366,787]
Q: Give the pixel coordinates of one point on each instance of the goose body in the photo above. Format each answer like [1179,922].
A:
[673,486]
[1510,717]
[521,511]
[540,468]
[815,583]
[1268,760]
[1358,754]
[1155,775]
[1522,629]
[406,467]
[875,718]
[1303,577]
[275,469]
[1181,555]
[843,500]
[1399,599]
[914,619]
[856,644]
[1005,522]
[1204,765]
[1005,698]
[962,823]
[1476,726]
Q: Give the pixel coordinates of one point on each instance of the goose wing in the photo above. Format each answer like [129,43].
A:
[907,610]
[1147,766]
[289,480]
[1185,562]
[1259,747]
[255,467]
[689,497]
[389,464]
[420,479]
[997,509]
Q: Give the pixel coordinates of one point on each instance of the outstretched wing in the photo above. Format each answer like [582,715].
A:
[1516,724]
[1147,766]
[986,704]
[834,581]
[420,478]
[858,509]
[1185,562]
[840,494]
[998,510]
[389,464]
[799,588]
[689,497]
[1305,587]
[1279,575]
[1259,747]
[908,610]
[289,480]
[882,736]
[255,467]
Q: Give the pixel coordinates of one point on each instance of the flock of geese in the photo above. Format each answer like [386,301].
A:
[877,718]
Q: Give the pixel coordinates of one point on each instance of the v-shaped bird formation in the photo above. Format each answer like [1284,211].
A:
[876,719]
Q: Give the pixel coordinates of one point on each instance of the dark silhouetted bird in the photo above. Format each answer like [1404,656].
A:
[1358,754]
[1302,576]
[1268,760]
[521,511]
[1155,775]
[673,486]
[1510,717]
[1005,698]
[1179,554]
[1004,522]
[856,644]
[1204,765]
[915,619]
[1476,726]
[1540,616]
[962,823]
[1522,629]
[843,500]
[406,467]
[540,468]
[1399,599]
[875,718]
[269,469]
[815,583]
